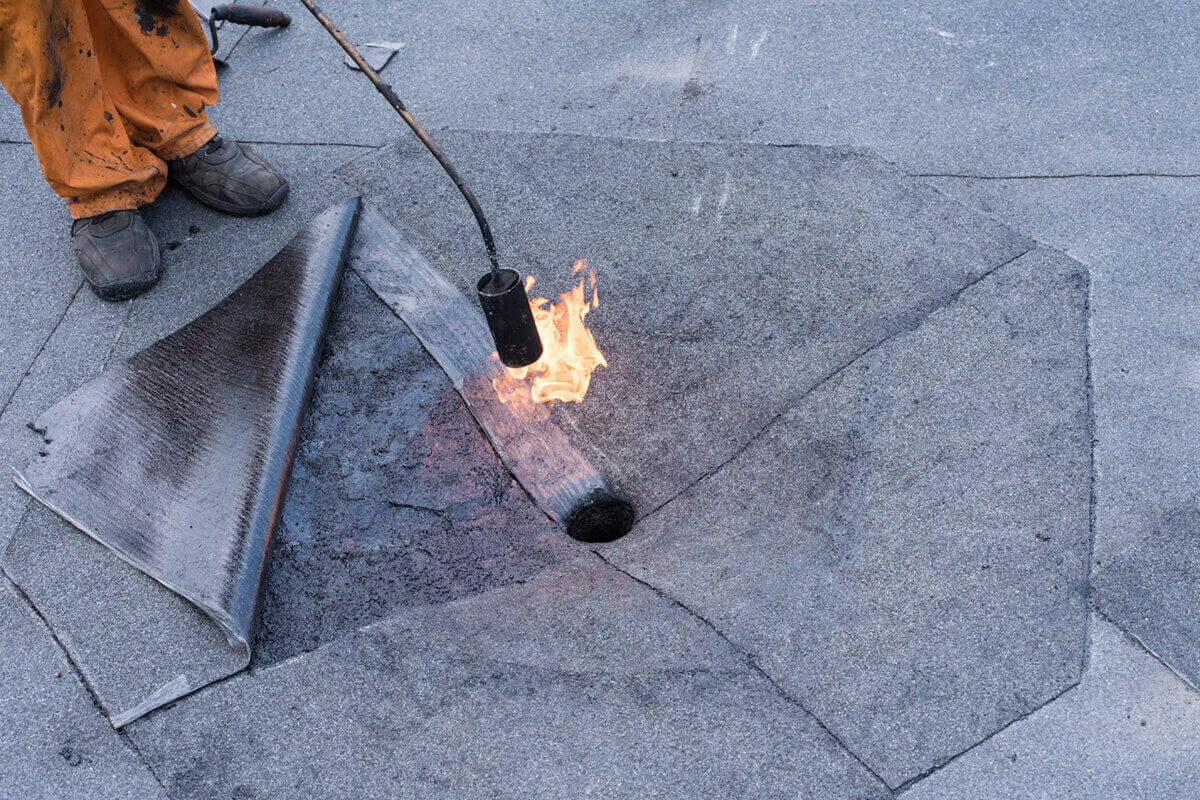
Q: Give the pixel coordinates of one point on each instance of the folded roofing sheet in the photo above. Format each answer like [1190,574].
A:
[177,459]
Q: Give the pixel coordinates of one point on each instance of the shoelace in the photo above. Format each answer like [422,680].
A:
[214,144]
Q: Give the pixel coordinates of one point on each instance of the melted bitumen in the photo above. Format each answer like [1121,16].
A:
[396,497]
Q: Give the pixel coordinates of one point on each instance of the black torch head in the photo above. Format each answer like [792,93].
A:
[506,308]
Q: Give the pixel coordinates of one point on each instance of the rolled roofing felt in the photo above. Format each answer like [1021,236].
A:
[177,459]
[557,476]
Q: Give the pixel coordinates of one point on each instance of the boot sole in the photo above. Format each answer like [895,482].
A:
[273,202]
[127,291]
[122,294]
[131,290]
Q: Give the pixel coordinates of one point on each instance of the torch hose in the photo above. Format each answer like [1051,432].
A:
[389,94]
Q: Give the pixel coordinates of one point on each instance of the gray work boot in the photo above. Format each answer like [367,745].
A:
[230,177]
[118,253]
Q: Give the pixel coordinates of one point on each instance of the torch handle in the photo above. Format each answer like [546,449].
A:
[390,95]
[258,16]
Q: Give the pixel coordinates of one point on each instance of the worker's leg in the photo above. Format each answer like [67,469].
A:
[155,65]
[109,90]
[49,64]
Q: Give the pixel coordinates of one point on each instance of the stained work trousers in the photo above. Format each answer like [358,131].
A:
[109,90]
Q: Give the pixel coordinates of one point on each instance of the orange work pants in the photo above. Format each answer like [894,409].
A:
[109,90]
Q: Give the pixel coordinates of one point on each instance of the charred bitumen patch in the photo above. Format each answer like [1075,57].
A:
[396,497]
[692,90]
[153,14]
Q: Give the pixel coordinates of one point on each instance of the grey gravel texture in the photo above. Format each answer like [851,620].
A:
[579,682]
[12,131]
[351,556]
[1138,237]
[983,87]
[1130,729]
[1150,590]
[567,66]
[905,551]
[38,273]
[731,278]
[53,742]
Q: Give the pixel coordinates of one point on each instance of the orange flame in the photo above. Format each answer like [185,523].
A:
[569,353]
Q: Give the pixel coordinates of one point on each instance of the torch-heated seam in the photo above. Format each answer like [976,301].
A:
[909,328]
[748,657]
[908,784]
[29,367]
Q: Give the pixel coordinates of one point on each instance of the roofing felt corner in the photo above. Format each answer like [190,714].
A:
[141,457]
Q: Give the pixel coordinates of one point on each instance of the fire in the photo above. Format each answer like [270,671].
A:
[569,352]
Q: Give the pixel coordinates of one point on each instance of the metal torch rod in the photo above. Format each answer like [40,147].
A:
[390,95]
